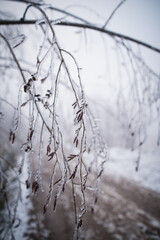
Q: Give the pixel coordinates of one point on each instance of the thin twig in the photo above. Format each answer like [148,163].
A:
[114,11]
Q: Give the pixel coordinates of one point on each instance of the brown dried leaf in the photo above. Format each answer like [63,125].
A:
[23,104]
[71,156]
[43,79]
[20,170]
[79,111]
[140,144]
[48,149]
[79,118]
[100,173]
[75,139]
[28,149]
[27,184]
[31,135]
[57,181]
[35,186]
[55,203]
[92,210]
[29,82]
[63,188]
[74,104]
[74,173]
[12,137]
[44,209]
[79,224]
[77,143]
[51,155]
[96,199]
[18,222]
[25,88]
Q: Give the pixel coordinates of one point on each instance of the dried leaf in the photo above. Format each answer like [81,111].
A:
[18,223]
[48,149]
[27,184]
[23,104]
[79,224]
[77,143]
[26,88]
[55,203]
[79,118]
[17,44]
[35,186]
[74,104]
[140,144]
[51,155]
[92,210]
[79,111]
[75,139]
[29,82]
[28,148]
[12,137]
[31,134]
[74,173]
[57,181]
[20,170]
[71,156]
[43,79]
[96,199]
[63,188]
[100,173]
[44,209]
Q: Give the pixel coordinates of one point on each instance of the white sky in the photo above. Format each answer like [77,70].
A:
[136,18]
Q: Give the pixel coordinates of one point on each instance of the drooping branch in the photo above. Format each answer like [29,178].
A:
[86,26]
[14,56]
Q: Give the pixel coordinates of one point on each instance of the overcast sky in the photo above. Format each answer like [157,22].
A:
[136,18]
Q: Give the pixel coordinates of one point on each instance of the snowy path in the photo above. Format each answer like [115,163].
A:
[125,210]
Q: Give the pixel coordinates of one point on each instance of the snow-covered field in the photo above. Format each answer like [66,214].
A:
[123,163]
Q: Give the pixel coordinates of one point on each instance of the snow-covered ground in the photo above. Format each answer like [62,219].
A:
[24,207]
[26,214]
[123,163]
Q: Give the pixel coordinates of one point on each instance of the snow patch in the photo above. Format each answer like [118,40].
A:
[122,163]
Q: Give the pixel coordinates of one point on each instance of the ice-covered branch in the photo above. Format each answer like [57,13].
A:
[85,26]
